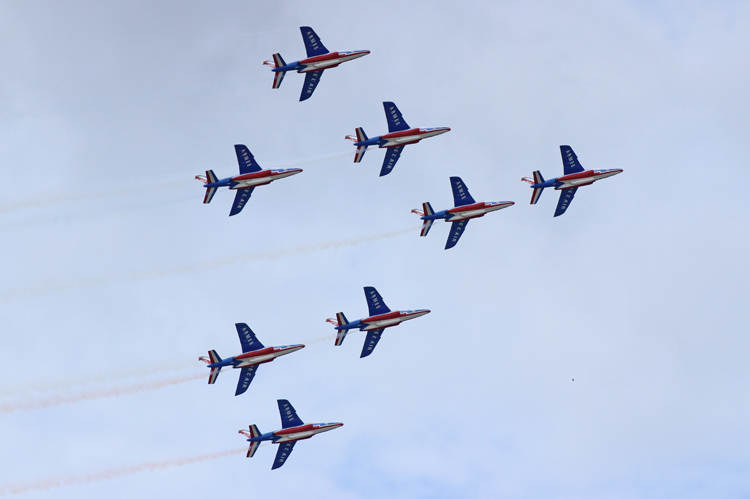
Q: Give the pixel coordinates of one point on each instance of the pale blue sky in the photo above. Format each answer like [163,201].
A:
[112,266]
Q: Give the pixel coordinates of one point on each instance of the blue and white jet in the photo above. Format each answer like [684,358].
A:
[253,354]
[251,176]
[399,135]
[292,430]
[318,60]
[380,318]
[465,209]
[574,176]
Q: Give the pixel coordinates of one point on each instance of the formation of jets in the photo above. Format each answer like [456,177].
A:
[380,317]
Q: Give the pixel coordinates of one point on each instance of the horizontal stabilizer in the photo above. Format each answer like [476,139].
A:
[213,375]
[360,133]
[279,61]
[361,150]
[536,194]
[210,191]
[253,447]
[341,334]
[278,77]
[214,356]
[426,225]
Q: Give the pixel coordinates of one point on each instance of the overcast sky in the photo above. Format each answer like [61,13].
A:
[115,275]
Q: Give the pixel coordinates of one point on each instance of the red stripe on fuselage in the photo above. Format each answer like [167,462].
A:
[296,429]
[411,131]
[321,58]
[573,176]
[389,315]
[249,176]
[255,353]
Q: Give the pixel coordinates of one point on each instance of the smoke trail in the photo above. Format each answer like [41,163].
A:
[51,385]
[112,473]
[108,193]
[55,400]
[47,288]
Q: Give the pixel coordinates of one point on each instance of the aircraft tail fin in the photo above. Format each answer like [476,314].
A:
[361,135]
[538,179]
[361,150]
[278,76]
[213,358]
[341,333]
[210,191]
[252,433]
[427,209]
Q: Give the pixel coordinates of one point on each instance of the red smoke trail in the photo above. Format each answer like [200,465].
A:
[55,400]
[49,483]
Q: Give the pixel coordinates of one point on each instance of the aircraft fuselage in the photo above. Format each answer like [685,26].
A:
[263,177]
[256,357]
[320,62]
[384,320]
[468,212]
[580,179]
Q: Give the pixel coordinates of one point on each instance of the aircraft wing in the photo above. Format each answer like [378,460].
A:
[247,338]
[240,199]
[311,81]
[375,303]
[246,377]
[371,342]
[566,196]
[457,229]
[289,418]
[570,161]
[391,156]
[246,160]
[461,196]
[313,44]
[282,454]
[396,122]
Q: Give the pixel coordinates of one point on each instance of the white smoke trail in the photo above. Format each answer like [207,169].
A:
[108,193]
[61,399]
[53,385]
[48,288]
[112,473]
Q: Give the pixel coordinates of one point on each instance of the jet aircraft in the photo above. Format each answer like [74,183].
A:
[318,60]
[465,209]
[399,135]
[253,354]
[574,176]
[251,176]
[292,430]
[380,318]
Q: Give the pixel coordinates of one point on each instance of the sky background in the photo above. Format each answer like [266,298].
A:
[115,276]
